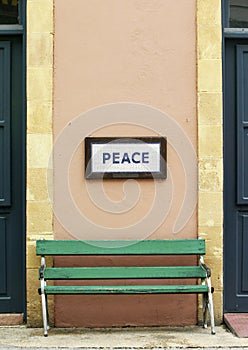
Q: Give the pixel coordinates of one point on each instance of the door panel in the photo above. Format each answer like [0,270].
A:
[12,176]
[236,176]
[5,123]
[242,123]
[3,272]
[243,245]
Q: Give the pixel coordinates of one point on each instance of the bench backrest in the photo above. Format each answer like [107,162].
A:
[147,247]
[111,247]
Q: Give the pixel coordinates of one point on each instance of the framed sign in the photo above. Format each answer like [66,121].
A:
[125,157]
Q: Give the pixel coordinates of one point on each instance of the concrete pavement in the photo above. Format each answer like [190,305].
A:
[20,337]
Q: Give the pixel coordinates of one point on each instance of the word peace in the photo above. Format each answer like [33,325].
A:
[121,158]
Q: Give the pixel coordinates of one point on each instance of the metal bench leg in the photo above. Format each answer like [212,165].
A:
[211,306]
[44,313]
[211,312]
[47,313]
[204,308]
[43,296]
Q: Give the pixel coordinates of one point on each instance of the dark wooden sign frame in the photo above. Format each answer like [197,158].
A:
[161,174]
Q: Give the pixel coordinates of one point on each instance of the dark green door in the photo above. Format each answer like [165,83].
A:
[236,176]
[12,176]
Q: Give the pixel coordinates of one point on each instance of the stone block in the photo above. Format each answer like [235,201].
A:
[210,208]
[218,311]
[210,75]
[40,50]
[39,84]
[34,314]
[37,184]
[39,117]
[32,283]
[39,148]
[213,236]
[209,108]
[210,141]
[209,41]
[40,16]
[39,218]
[209,12]
[210,175]
[33,261]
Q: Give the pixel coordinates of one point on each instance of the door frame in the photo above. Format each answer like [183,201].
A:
[227,34]
[20,30]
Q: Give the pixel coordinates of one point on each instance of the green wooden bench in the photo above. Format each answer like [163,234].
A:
[200,273]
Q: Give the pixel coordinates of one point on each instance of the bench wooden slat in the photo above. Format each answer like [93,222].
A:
[126,289]
[146,247]
[60,273]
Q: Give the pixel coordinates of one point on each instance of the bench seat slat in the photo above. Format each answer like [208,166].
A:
[126,289]
[65,273]
[146,247]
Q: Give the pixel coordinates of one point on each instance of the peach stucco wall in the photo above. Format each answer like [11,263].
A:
[133,51]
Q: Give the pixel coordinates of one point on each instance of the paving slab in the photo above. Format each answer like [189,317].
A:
[21,337]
